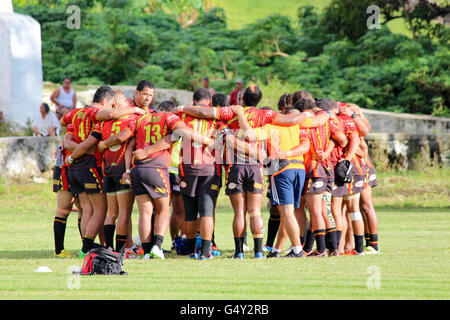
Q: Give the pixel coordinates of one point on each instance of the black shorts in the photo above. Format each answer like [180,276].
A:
[174,183]
[60,181]
[85,176]
[241,178]
[194,186]
[318,185]
[356,186]
[339,191]
[151,181]
[112,184]
[371,178]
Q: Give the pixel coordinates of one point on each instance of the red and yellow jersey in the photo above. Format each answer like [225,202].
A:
[148,109]
[283,138]
[64,151]
[83,121]
[149,130]
[195,159]
[113,158]
[256,117]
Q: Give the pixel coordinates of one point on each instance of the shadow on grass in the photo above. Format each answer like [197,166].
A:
[28,254]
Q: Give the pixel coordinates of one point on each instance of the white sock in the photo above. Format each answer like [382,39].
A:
[297,249]
[275,250]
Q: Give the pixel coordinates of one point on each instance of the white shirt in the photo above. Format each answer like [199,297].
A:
[64,98]
[43,125]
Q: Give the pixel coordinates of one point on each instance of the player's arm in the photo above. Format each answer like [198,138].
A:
[114,140]
[128,157]
[163,144]
[115,113]
[69,143]
[181,129]
[82,149]
[361,122]
[341,139]
[352,145]
[323,155]
[241,146]
[245,129]
[198,112]
[363,149]
[298,150]
[316,121]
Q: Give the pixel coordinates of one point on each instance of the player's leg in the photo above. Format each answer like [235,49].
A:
[254,204]
[76,201]
[206,223]
[161,225]
[302,219]
[238,203]
[177,216]
[314,203]
[336,211]
[273,225]
[97,220]
[145,208]
[63,207]
[330,229]
[111,217]
[125,199]
[368,209]
[291,226]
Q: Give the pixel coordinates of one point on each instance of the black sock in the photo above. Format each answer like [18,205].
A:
[359,243]
[332,240]
[328,238]
[338,237]
[367,238]
[319,235]
[374,241]
[79,227]
[120,241]
[191,245]
[309,241]
[258,244]
[88,244]
[213,240]
[238,245]
[158,240]
[302,240]
[272,229]
[245,238]
[242,244]
[59,230]
[109,229]
[147,246]
[206,247]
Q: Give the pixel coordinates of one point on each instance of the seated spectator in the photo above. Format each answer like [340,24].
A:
[46,124]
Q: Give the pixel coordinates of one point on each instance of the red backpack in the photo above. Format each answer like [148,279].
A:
[102,261]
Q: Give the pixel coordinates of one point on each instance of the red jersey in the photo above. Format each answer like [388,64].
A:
[83,121]
[64,151]
[195,160]
[113,158]
[256,117]
[149,130]
[319,138]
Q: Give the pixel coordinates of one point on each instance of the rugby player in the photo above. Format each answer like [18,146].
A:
[65,201]
[145,95]
[85,175]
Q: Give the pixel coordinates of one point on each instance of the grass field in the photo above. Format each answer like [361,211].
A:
[414,263]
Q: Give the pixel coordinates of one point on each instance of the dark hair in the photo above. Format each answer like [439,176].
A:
[302,94]
[219,100]
[285,101]
[167,106]
[267,108]
[304,104]
[252,96]
[326,104]
[201,94]
[144,84]
[46,107]
[67,78]
[291,110]
[102,92]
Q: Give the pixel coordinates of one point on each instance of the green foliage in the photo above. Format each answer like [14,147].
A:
[330,56]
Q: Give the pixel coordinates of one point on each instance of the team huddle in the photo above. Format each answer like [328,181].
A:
[172,160]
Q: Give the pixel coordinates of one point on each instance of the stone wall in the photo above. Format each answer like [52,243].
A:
[34,157]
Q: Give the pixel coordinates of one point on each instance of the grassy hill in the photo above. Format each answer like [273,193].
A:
[242,12]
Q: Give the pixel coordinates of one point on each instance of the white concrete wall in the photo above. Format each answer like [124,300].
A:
[21,81]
